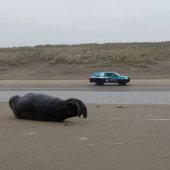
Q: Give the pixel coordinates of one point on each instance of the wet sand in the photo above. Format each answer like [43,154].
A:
[117,137]
[73,84]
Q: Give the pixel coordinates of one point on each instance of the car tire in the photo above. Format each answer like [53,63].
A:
[99,83]
[122,83]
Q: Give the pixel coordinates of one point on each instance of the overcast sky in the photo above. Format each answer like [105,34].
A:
[35,22]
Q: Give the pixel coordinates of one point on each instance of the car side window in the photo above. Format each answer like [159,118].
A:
[110,74]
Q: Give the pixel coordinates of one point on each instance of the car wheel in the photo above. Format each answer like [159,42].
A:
[99,83]
[122,83]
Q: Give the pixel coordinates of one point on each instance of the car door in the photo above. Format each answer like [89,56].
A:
[112,77]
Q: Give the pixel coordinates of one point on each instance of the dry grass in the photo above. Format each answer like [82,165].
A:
[129,53]
[77,61]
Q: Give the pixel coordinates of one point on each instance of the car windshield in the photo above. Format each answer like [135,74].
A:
[117,74]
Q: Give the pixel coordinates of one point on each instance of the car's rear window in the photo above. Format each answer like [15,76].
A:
[98,74]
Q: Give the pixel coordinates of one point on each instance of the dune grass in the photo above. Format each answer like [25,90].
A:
[103,54]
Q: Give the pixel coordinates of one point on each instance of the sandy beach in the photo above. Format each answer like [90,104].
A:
[119,137]
[82,83]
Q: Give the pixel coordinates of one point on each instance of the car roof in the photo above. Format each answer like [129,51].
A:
[96,72]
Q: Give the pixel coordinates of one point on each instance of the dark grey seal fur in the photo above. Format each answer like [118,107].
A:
[45,107]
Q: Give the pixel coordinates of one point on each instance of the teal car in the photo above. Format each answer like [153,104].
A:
[100,78]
